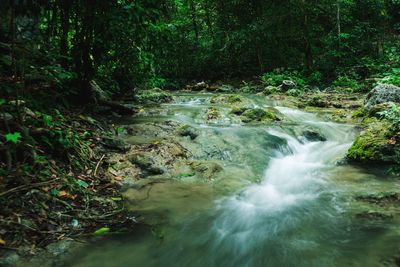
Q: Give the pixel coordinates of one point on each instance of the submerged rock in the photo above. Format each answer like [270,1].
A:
[187,130]
[59,248]
[9,259]
[374,215]
[382,198]
[314,136]
[381,94]
[205,169]
[227,99]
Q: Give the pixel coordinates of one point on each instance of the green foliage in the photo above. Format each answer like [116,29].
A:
[392,77]
[276,78]
[13,137]
[345,83]
[392,115]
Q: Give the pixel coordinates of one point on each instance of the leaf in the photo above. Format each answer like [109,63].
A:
[102,231]
[116,198]
[2,101]
[55,192]
[2,242]
[13,137]
[120,130]
[82,183]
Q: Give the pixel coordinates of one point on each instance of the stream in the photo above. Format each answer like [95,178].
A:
[280,200]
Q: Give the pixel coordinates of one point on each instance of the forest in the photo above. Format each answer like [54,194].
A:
[199,133]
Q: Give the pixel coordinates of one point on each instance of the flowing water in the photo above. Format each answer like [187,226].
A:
[280,201]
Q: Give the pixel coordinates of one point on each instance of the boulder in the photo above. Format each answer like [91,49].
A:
[287,85]
[258,115]
[115,144]
[146,163]
[381,94]
[205,169]
[374,145]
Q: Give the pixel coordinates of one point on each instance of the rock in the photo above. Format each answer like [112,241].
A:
[314,136]
[153,97]
[294,92]
[381,94]
[226,99]
[269,90]
[146,163]
[9,259]
[59,248]
[373,145]
[198,86]
[225,88]
[205,169]
[378,108]
[318,101]
[287,85]
[381,198]
[115,144]
[239,110]
[187,130]
[98,93]
[212,113]
[258,115]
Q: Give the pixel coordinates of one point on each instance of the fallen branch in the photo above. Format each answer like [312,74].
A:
[28,186]
[97,165]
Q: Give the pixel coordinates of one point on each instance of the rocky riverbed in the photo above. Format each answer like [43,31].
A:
[182,163]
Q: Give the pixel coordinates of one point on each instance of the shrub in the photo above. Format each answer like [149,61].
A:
[275,78]
[347,83]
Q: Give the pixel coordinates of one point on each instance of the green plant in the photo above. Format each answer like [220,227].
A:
[276,78]
[392,77]
[345,83]
[13,137]
[392,115]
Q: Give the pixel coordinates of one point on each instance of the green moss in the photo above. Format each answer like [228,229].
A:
[372,145]
[359,113]
[258,114]
[238,110]
[229,99]
[153,97]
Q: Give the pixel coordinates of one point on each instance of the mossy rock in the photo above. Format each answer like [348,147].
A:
[239,110]
[373,145]
[212,113]
[155,96]
[258,115]
[146,163]
[318,101]
[205,169]
[187,130]
[227,99]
